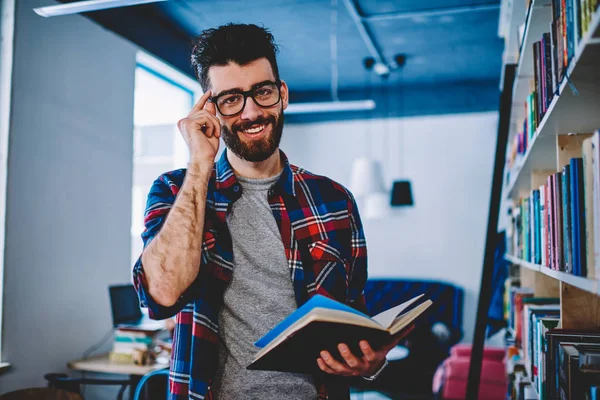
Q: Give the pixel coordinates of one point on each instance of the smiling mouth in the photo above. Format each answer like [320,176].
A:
[255,130]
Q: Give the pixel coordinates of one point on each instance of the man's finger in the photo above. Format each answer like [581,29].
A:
[334,364]
[212,124]
[201,102]
[210,107]
[208,124]
[367,351]
[350,358]
[324,366]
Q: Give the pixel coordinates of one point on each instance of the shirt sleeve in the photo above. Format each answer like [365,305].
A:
[358,267]
[159,203]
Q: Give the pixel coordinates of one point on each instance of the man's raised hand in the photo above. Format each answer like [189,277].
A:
[201,131]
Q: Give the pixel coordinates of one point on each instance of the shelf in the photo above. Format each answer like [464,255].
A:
[586,284]
[534,160]
[567,113]
[538,20]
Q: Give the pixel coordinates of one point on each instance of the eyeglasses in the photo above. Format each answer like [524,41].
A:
[264,95]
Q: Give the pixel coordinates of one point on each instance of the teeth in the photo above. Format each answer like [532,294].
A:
[255,130]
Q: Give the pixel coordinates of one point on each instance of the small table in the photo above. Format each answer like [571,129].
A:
[102,364]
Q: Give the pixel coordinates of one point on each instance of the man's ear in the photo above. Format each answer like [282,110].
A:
[284,94]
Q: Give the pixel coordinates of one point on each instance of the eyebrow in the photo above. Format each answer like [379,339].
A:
[240,90]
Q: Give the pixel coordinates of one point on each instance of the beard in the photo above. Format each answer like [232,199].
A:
[256,150]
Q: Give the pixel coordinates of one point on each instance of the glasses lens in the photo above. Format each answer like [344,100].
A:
[267,95]
[230,104]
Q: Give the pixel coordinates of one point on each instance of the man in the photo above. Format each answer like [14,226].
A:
[233,247]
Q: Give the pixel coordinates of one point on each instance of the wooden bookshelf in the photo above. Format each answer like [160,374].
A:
[585,284]
[572,115]
[568,113]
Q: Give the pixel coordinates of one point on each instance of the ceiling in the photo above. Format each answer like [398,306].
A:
[451,47]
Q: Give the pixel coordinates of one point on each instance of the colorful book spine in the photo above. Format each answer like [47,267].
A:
[566,203]
[557,177]
[588,195]
[596,177]
[544,234]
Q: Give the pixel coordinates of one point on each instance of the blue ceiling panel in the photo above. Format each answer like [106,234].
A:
[453,43]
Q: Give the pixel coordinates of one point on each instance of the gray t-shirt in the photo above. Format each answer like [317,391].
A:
[259,296]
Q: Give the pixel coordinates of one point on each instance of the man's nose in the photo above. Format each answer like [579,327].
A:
[251,110]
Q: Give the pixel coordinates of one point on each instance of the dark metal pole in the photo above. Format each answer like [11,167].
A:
[485,290]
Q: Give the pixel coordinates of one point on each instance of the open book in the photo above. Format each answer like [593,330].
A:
[321,324]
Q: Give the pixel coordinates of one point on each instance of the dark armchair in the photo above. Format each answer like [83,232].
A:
[428,344]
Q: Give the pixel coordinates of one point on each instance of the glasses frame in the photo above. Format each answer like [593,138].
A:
[246,94]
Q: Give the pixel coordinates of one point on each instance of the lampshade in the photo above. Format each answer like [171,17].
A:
[377,205]
[366,177]
[402,194]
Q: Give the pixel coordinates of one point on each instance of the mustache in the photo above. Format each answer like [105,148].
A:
[259,121]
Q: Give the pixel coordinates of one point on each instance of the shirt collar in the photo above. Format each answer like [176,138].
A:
[226,180]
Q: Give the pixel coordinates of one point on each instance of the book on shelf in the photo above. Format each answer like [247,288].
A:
[321,324]
[551,361]
[552,52]
[558,224]
[555,338]
[589,209]
[566,206]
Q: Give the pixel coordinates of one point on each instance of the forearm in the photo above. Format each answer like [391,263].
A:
[172,260]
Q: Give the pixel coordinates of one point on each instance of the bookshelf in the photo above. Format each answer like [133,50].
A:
[565,114]
[591,286]
[568,112]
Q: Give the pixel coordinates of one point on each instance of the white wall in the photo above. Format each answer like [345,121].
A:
[449,160]
[69,190]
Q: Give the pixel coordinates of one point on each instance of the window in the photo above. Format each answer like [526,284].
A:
[162,97]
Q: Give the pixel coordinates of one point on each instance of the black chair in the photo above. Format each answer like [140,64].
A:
[40,394]
[73,385]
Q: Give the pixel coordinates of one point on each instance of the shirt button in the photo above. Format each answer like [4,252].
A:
[236,188]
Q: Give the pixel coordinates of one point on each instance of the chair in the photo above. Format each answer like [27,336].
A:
[410,374]
[146,380]
[73,385]
[41,394]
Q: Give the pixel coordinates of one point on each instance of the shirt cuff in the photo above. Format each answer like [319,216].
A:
[376,374]
[155,310]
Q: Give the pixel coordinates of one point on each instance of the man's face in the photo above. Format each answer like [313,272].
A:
[254,133]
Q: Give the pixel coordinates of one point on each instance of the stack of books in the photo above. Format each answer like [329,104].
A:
[128,341]
[554,363]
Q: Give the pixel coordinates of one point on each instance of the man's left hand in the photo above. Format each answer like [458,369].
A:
[366,365]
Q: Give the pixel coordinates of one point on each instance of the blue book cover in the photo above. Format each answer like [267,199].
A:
[526,231]
[316,301]
[577,217]
[582,257]
[321,324]
[574,216]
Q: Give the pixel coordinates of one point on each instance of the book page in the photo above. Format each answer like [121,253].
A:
[387,317]
[406,319]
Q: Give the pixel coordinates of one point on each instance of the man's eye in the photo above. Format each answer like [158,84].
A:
[231,100]
[263,92]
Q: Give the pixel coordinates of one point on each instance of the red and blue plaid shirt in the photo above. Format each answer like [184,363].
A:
[324,244]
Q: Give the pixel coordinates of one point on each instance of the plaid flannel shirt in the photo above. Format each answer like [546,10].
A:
[324,244]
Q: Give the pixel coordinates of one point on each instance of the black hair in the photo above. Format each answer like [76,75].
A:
[238,43]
